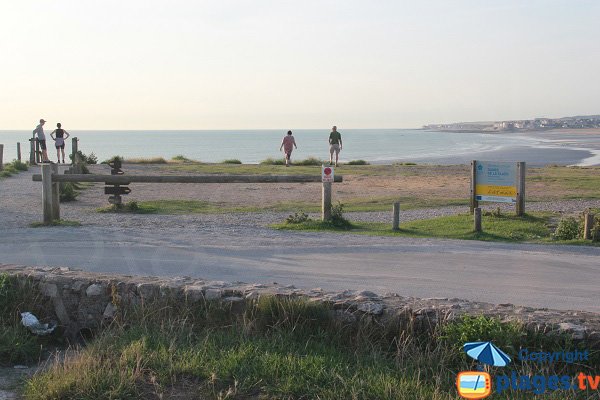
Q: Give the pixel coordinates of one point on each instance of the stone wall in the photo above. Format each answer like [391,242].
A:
[82,301]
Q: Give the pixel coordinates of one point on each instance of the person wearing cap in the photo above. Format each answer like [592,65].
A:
[58,135]
[287,144]
[39,131]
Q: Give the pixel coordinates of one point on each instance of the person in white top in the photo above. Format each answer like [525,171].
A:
[39,131]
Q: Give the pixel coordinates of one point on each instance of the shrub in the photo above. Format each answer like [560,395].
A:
[358,162]
[68,191]
[297,218]
[19,165]
[567,229]
[113,158]
[310,161]
[132,206]
[181,158]
[271,161]
[153,160]
[231,161]
[91,159]
[337,217]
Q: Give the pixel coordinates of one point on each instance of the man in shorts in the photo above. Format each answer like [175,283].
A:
[335,145]
[39,131]
[287,144]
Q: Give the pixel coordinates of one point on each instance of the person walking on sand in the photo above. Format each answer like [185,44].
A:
[58,135]
[39,131]
[335,145]
[288,143]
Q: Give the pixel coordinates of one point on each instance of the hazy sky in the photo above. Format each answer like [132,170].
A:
[144,64]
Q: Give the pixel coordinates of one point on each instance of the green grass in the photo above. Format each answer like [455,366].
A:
[507,228]
[13,168]
[60,222]
[181,158]
[357,162]
[151,160]
[277,348]
[231,161]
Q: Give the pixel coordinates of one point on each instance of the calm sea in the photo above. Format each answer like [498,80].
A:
[252,146]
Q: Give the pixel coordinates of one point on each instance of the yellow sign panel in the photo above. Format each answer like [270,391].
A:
[494,190]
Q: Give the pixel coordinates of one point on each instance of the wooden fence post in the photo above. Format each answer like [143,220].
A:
[32,151]
[326,202]
[474,202]
[588,224]
[1,156]
[19,151]
[520,206]
[55,195]
[74,150]
[477,220]
[38,155]
[396,223]
[47,192]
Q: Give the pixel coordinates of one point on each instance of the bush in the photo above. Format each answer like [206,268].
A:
[68,191]
[13,168]
[113,158]
[337,217]
[271,161]
[231,161]
[181,158]
[91,159]
[358,162]
[19,165]
[297,218]
[153,160]
[310,161]
[567,229]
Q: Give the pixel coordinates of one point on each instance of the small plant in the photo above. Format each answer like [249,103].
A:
[297,218]
[231,161]
[337,217]
[358,162]
[13,168]
[310,161]
[132,206]
[19,165]
[272,161]
[91,159]
[113,158]
[181,158]
[567,229]
[68,191]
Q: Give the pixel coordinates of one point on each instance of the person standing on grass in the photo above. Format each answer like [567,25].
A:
[335,145]
[39,131]
[58,135]
[287,144]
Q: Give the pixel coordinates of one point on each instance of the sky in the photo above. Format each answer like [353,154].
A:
[145,64]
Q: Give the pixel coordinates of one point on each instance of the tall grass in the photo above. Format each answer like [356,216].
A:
[13,168]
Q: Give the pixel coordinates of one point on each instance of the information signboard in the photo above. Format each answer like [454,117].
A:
[496,181]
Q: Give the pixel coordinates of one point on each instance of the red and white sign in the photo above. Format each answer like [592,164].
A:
[327,174]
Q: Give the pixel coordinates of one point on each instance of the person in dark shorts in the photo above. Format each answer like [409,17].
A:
[59,135]
[335,145]
[39,131]
[287,144]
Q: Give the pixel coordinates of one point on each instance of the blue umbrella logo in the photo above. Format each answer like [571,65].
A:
[487,353]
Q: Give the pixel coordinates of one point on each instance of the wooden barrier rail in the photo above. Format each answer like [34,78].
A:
[50,180]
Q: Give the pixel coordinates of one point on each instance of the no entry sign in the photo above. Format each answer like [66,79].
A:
[327,174]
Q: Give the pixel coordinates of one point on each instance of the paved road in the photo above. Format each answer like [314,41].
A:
[562,277]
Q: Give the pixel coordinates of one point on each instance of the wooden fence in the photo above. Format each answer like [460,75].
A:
[51,179]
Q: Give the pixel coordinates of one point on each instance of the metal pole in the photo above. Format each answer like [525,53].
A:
[47,193]
[396,223]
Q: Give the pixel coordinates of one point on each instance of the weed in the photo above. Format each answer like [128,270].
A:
[358,162]
[297,218]
[567,229]
[231,161]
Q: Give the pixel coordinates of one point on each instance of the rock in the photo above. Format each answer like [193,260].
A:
[109,311]
[577,332]
[94,290]
[49,289]
[370,308]
[193,293]
[366,293]
[212,294]
[78,285]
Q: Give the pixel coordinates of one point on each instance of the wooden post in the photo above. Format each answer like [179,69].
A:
[326,202]
[1,156]
[74,150]
[38,155]
[55,195]
[396,223]
[520,206]
[19,151]
[47,192]
[474,202]
[32,151]
[477,220]
[588,224]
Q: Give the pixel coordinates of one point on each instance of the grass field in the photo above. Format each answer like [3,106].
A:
[276,349]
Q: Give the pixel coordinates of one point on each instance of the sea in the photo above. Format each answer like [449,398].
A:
[377,146]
